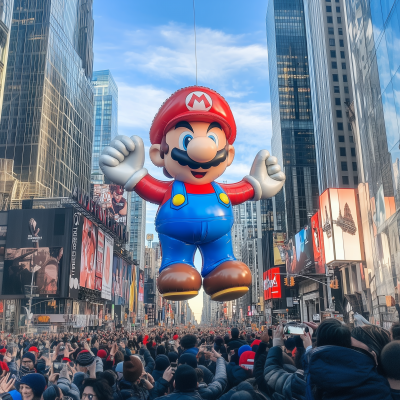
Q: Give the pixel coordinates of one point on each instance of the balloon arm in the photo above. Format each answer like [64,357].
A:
[238,192]
[151,189]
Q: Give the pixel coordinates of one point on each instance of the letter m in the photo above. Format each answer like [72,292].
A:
[199,100]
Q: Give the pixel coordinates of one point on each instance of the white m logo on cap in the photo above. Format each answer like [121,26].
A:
[198,101]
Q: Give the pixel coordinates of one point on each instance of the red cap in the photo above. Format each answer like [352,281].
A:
[4,366]
[175,337]
[256,342]
[102,353]
[3,351]
[33,348]
[246,360]
[193,103]
[66,359]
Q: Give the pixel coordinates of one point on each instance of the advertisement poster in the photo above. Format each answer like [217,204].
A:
[141,286]
[279,239]
[44,263]
[100,260]
[326,224]
[107,267]
[76,245]
[112,199]
[118,272]
[133,291]
[318,244]
[88,254]
[304,251]
[290,257]
[272,284]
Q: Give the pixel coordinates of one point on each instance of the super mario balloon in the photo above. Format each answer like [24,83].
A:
[192,139]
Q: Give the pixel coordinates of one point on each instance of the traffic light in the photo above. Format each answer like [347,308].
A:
[291,281]
[285,281]
[334,284]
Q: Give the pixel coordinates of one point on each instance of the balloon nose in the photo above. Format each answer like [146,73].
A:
[202,149]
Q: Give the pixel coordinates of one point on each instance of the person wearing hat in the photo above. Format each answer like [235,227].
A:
[192,138]
[162,363]
[32,386]
[185,384]
[27,364]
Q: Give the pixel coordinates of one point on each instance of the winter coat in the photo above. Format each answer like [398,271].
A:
[256,394]
[157,374]
[126,390]
[195,395]
[290,385]
[236,375]
[218,385]
[78,379]
[69,389]
[339,373]
[259,363]
[235,344]
[395,394]
[148,359]
[208,375]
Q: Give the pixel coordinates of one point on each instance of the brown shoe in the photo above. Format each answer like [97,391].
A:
[179,282]
[228,281]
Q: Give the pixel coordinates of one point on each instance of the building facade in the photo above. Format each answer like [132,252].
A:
[105,118]
[137,228]
[331,93]
[47,116]
[374,33]
[293,140]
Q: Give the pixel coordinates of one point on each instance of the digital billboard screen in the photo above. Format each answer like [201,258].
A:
[112,199]
[100,260]
[141,286]
[300,253]
[272,284]
[107,267]
[88,255]
[318,244]
[279,239]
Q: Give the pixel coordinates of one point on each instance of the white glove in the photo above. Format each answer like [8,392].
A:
[265,176]
[122,161]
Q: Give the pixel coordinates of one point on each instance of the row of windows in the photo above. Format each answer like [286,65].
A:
[343,151]
[331,31]
[335,78]
[329,9]
[333,43]
[340,124]
[336,1]
[344,166]
[330,20]
[342,54]
[338,101]
[334,65]
[342,139]
[336,89]
[345,180]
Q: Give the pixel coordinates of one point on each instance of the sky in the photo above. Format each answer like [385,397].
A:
[149,48]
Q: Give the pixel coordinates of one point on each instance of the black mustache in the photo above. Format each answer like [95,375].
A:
[183,159]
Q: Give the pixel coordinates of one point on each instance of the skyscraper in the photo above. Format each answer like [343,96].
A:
[47,116]
[137,228]
[374,35]
[105,118]
[292,118]
[331,92]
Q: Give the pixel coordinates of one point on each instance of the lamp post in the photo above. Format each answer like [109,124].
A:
[34,269]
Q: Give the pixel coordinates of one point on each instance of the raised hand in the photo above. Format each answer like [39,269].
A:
[122,161]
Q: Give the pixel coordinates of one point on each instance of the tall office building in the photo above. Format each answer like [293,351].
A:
[374,34]
[105,118]
[292,119]
[47,116]
[331,92]
[137,228]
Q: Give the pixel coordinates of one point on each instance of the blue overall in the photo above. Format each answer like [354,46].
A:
[202,221]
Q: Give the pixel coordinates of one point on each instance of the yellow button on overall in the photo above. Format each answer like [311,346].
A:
[224,198]
[178,199]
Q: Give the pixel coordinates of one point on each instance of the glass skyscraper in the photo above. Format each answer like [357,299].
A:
[47,116]
[137,228]
[292,118]
[105,118]
[374,37]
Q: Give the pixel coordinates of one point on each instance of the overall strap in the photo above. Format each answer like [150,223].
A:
[221,195]
[178,195]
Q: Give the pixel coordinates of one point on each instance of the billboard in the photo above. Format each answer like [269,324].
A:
[304,250]
[122,276]
[340,225]
[279,239]
[107,267]
[43,264]
[133,291]
[88,254]
[318,244]
[272,284]
[76,245]
[141,286]
[112,200]
[100,261]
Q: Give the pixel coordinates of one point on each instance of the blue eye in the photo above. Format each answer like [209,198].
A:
[184,140]
[213,137]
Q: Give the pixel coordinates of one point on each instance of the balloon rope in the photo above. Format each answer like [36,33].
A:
[194,28]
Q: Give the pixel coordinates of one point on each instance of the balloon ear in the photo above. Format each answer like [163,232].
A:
[155,156]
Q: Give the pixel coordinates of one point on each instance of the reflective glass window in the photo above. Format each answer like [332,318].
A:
[336,89]
[328,8]
[393,40]
[339,113]
[331,42]
[344,78]
[343,65]
[345,180]
[340,126]
[341,139]
[383,63]
[338,9]
[389,110]
[335,77]
[342,151]
[339,20]
[331,31]
[340,31]
[337,101]
[342,54]
[333,53]
[334,65]
[330,20]
[353,152]
[355,178]
[344,165]
[354,166]
[377,21]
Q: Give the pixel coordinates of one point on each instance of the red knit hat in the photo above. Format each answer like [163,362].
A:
[3,350]
[102,353]
[33,348]
[193,103]
[246,360]
[4,366]
[175,337]
[256,342]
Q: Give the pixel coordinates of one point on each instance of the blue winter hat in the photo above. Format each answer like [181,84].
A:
[36,382]
[189,359]
[162,362]
[173,356]
[15,395]
[119,367]
[243,348]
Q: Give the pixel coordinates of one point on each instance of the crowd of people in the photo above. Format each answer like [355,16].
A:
[327,361]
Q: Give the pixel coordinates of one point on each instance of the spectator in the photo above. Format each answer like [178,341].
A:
[390,360]
[32,386]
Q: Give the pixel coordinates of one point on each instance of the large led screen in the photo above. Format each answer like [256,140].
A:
[279,239]
[107,267]
[318,244]
[88,255]
[272,284]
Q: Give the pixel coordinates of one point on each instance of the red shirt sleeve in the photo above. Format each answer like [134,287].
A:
[151,189]
[238,192]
